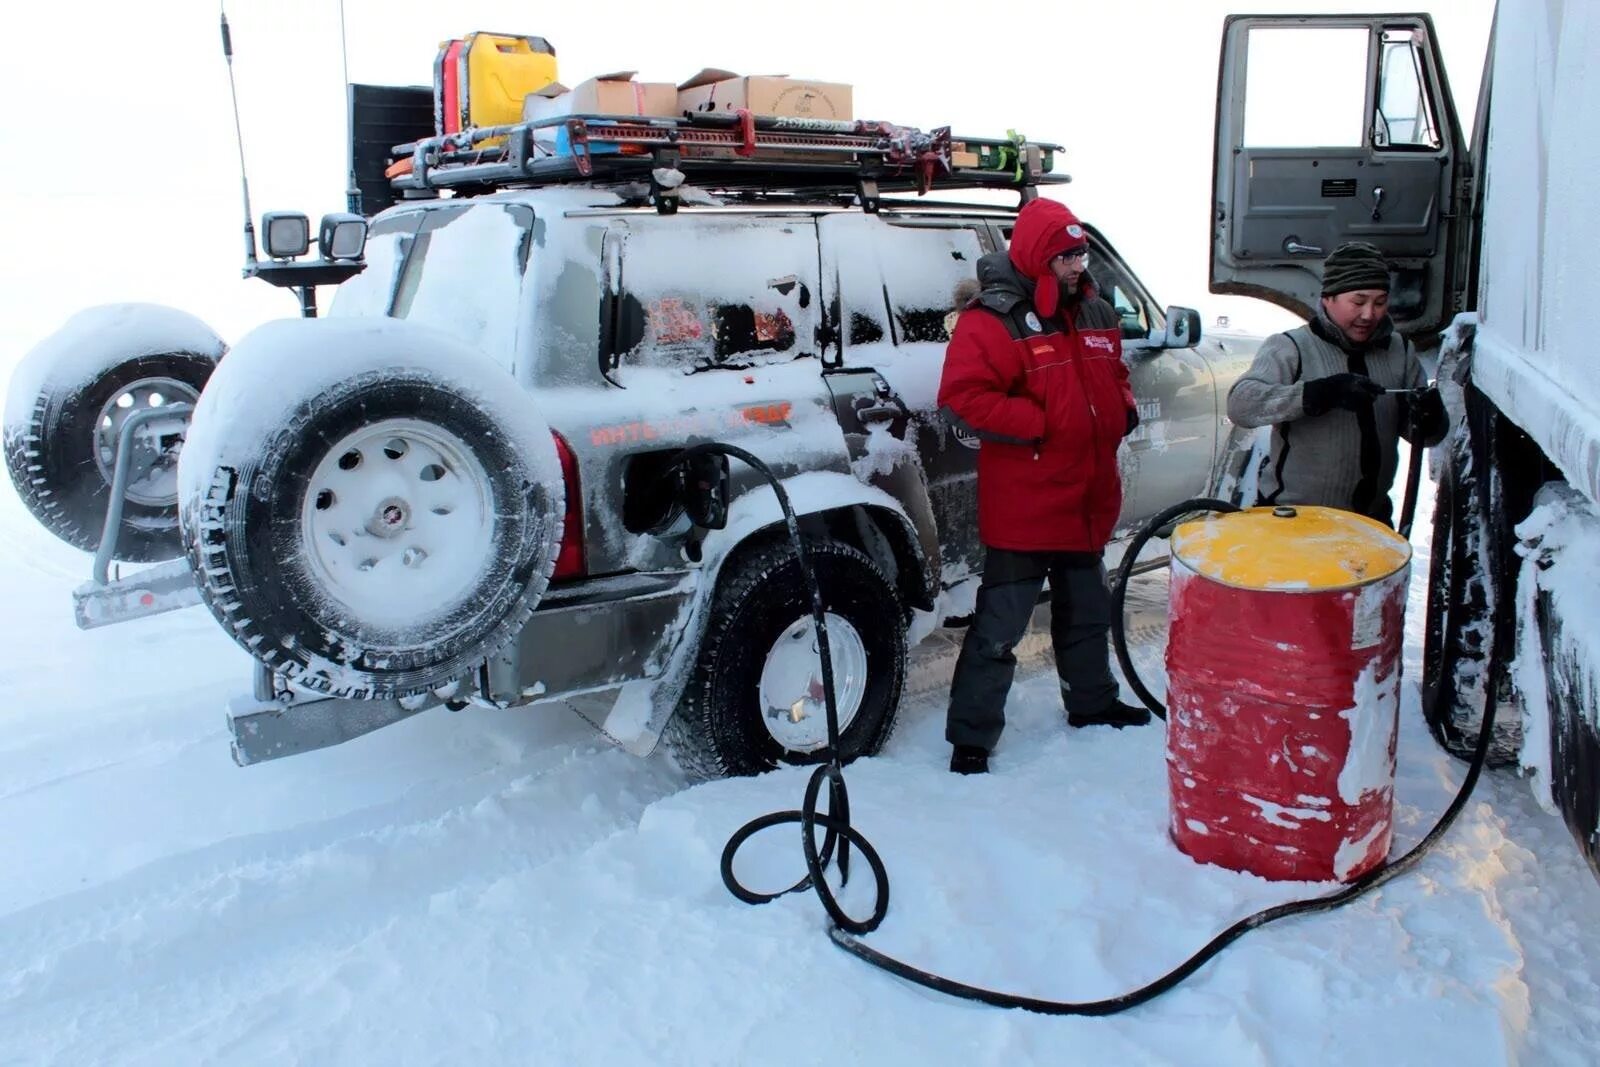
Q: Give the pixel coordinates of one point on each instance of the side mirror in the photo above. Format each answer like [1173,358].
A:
[1183,328]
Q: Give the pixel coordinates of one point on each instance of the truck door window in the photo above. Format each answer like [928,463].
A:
[1305,87]
[716,293]
[1404,118]
[922,265]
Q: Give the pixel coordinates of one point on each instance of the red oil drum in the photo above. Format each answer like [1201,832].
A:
[1283,668]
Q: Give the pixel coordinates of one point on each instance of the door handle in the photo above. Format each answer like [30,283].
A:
[880,409]
[876,413]
[1292,245]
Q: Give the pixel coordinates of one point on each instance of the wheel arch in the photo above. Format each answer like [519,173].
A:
[843,508]
[824,502]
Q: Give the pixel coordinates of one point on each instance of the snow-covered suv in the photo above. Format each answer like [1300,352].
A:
[458,487]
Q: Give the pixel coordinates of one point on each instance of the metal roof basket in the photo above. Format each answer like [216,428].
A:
[738,152]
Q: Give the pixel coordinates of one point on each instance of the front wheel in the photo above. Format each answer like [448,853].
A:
[755,696]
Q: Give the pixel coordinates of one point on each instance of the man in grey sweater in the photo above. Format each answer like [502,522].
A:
[1323,388]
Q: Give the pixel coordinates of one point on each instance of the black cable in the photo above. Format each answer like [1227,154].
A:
[838,832]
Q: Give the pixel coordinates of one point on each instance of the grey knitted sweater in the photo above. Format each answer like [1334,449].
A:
[1338,459]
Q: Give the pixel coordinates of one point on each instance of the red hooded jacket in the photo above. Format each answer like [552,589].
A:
[1048,398]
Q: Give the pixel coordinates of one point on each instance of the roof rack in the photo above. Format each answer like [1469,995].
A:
[733,152]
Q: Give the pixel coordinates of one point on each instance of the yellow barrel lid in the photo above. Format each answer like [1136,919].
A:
[1293,548]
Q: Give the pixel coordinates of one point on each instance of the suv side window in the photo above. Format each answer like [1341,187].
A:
[921,266]
[705,293]
[1117,288]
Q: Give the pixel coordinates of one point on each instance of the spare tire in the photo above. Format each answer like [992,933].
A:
[65,408]
[370,507]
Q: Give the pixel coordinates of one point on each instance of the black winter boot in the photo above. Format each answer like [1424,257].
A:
[969,759]
[1118,715]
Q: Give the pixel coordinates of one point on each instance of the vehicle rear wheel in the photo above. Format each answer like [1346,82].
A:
[755,697]
[1459,627]
[377,535]
[66,407]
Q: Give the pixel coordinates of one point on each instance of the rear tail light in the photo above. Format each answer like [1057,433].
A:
[569,563]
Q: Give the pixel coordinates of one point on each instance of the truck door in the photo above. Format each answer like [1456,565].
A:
[1330,129]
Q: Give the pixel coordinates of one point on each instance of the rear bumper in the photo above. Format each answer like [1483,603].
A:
[592,635]
[588,636]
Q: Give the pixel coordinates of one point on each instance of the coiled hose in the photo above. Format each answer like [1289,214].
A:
[839,834]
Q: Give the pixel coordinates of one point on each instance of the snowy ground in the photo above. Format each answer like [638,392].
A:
[488,887]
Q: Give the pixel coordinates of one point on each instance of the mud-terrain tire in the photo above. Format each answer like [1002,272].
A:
[1459,627]
[370,508]
[760,620]
[64,411]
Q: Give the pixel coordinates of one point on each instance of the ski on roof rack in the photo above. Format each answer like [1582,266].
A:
[737,152]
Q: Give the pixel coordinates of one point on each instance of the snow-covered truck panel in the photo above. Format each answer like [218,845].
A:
[1535,348]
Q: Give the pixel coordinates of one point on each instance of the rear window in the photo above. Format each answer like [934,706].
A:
[372,291]
[458,268]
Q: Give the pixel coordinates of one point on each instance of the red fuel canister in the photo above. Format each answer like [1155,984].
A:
[1283,667]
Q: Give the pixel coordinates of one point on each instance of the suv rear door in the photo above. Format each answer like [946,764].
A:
[1337,128]
[891,281]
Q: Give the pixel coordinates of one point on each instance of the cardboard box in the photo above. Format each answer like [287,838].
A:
[609,94]
[725,91]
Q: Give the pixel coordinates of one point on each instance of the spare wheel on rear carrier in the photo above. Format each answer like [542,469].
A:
[371,507]
[66,407]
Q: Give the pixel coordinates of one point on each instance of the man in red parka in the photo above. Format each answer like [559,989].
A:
[1035,370]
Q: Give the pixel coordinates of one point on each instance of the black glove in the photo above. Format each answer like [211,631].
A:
[1350,392]
[1133,421]
[1425,422]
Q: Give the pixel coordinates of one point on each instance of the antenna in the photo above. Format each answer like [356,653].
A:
[238,132]
[352,193]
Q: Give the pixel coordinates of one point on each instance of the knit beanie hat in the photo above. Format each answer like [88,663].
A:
[1354,265]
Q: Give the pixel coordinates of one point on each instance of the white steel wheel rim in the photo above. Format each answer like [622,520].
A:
[398,522]
[793,705]
[152,470]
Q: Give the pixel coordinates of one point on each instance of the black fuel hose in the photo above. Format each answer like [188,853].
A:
[1160,526]
[839,834]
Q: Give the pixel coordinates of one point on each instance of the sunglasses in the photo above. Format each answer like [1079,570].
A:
[1079,254]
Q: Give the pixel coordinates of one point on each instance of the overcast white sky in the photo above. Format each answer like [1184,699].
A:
[121,175]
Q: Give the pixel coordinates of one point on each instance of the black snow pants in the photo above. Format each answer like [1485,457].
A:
[1080,618]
